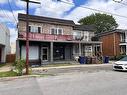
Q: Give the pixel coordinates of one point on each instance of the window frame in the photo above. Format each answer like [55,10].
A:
[51,31]
[34,28]
[58,31]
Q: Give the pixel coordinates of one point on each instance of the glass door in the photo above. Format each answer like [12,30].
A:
[45,54]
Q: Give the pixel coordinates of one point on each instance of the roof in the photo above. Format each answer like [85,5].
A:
[49,20]
[84,27]
[110,32]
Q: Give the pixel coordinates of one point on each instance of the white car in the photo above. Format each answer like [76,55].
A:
[121,64]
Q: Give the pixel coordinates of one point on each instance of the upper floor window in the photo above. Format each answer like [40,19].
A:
[56,31]
[53,31]
[36,29]
[122,37]
[59,31]
[77,35]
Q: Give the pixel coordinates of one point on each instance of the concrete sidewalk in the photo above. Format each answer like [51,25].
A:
[71,66]
[5,68]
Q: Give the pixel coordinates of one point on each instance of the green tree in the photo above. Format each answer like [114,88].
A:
[102,22]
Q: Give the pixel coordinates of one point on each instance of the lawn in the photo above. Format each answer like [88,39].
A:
[1,65]
[8,74]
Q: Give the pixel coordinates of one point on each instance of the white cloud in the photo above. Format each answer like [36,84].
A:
[7,17]
[3,1]
[109,6]
[53,9]
[13,34]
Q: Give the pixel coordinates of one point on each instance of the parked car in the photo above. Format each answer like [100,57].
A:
[121,64]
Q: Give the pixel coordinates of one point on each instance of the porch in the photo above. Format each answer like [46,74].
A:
[41,52]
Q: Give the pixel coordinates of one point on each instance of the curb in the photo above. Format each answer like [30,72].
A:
[17,77]
[73,66]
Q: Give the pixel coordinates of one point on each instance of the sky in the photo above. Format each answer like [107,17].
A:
[67,9]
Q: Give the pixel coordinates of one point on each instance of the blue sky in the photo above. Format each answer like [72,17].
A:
[60,10]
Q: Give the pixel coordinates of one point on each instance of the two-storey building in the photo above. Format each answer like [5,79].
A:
[52,39]
[114,42]
[4,42]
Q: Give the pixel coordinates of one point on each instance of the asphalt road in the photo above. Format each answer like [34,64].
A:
[83,68]
[94,82]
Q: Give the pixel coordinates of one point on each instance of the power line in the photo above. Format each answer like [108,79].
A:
[12,11]
[6,15]
[4,12]
[120,2]
[94,9]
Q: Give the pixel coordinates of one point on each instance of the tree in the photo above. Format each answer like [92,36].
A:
[102,22]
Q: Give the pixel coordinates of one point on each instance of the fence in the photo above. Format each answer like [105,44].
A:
[10,58]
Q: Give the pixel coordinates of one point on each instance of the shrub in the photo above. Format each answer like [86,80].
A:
[19,65]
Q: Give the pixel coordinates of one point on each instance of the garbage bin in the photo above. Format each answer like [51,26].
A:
[89,60]
[106,59]
[82,60]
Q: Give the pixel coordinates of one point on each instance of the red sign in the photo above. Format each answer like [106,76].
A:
[47,37]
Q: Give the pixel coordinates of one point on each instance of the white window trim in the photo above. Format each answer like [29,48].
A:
[56,30]
[61,30]
[51,30]
[34,28]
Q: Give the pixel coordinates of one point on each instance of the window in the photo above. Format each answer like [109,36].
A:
[59,31]
[76,48]
[56,31]
[35,29]
[53,31]
[122,37]
[77,35]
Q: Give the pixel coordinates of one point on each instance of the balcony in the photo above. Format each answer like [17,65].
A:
[45,37]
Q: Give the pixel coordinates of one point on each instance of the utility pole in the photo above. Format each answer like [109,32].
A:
[27,33]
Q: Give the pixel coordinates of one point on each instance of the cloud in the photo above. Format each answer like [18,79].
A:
[13,34]
[53,9]
[7,17]
[104,5]
[3,1]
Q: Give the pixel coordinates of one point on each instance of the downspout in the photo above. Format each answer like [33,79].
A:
[114,44]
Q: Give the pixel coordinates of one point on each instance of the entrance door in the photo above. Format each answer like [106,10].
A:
[44,53]
[0,53]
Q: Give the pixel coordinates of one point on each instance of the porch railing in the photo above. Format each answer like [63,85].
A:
[45,37]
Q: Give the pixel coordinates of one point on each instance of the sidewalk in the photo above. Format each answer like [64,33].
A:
[5,68]
[71,66]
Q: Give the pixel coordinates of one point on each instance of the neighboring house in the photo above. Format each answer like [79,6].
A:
[4,42]
[114,42]
[54,39]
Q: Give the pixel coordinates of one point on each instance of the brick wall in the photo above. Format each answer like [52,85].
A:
[67,30]
[110,45]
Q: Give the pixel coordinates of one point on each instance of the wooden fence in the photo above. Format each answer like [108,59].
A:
[10,58]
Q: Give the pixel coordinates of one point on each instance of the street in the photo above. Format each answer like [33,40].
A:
[93,82]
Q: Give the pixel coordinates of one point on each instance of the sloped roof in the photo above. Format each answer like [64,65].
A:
[49,20]
[110,32]
[84,27]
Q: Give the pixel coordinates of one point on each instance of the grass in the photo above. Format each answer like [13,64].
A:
[8,74]
[57,64]
[1,65]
